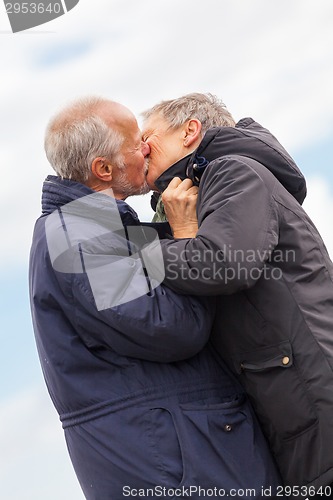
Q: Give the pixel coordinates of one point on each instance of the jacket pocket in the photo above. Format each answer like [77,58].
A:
[217,440]
[277,390]
[164,446]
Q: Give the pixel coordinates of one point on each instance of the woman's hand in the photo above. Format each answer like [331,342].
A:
[180,202]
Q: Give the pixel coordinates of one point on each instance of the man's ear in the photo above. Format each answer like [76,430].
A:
[102,169]
[192,132]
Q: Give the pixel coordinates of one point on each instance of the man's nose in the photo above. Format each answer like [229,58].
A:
[145,149]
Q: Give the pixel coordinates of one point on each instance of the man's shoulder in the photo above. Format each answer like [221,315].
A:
[128,215]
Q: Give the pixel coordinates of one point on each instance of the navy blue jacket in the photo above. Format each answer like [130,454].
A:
[142,398]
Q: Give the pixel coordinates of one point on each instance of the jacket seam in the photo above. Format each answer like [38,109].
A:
[308,328]
[101,409]
[270,192]
[310,230]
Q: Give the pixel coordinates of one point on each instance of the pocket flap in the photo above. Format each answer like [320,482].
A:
[279,355]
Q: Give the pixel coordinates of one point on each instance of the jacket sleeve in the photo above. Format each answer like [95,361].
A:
[107,290]
[238,230]
[158,326]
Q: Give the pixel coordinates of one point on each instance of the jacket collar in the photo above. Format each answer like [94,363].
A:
[57,192]
[178,169]
[191,165]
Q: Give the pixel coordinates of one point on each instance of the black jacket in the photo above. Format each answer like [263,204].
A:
[258,250]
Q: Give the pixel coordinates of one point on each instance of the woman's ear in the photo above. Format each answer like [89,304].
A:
[102,169]
[192,133]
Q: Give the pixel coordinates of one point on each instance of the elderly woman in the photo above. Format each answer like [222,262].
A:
[256,249]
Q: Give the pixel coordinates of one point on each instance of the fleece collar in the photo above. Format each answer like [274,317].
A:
[57,192]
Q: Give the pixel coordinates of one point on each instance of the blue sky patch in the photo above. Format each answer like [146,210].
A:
[19,358]
[61,53]
[317,159]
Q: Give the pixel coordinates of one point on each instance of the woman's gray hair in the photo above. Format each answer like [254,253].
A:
[77,135]
[207,108]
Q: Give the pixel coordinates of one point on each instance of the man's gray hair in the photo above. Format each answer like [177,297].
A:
[207,108]
[77,135]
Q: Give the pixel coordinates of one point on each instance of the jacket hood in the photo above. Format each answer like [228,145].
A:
[249,139]
[57,192]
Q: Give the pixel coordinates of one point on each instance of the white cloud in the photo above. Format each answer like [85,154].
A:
[34,460]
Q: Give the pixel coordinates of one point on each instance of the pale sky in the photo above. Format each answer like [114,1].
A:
[272,60]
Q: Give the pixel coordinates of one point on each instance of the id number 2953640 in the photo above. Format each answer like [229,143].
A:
[33,8]
[304,491]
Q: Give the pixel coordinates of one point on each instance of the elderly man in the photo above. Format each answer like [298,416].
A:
[147,407]
[260,252]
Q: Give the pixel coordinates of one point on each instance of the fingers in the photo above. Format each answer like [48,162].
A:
[194,190]
[181,186]
[176,181]
[185,185]
[179,190]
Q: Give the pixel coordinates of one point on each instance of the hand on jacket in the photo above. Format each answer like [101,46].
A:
[180,201]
